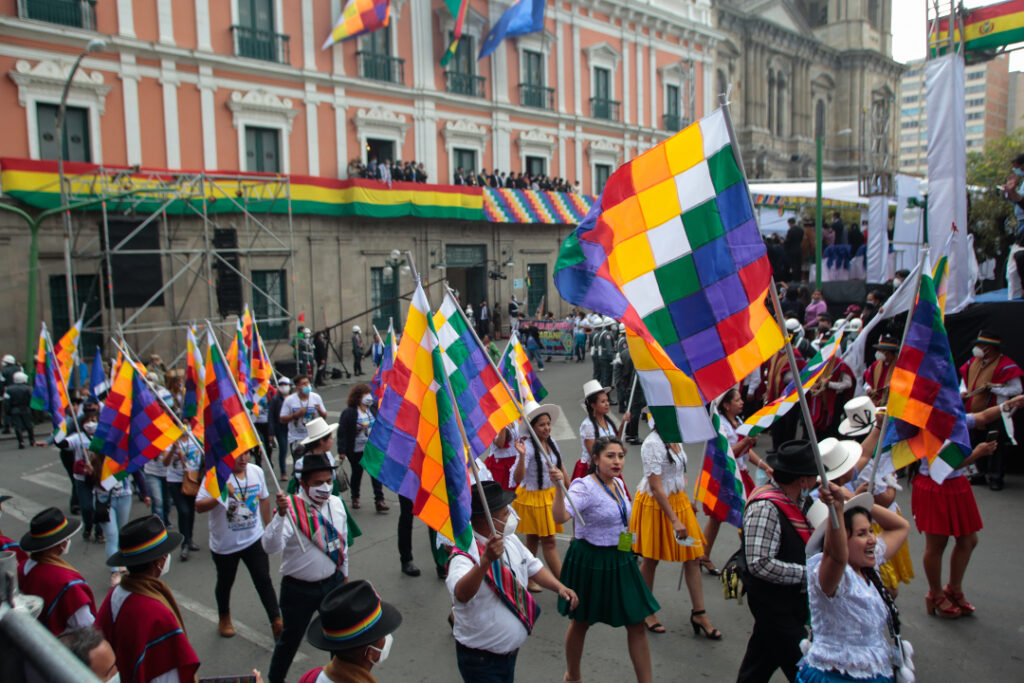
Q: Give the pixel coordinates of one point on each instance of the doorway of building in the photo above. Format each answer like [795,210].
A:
[467,272]
[382,150]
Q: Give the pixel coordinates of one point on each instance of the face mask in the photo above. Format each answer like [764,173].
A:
[978,352]
[285,389]
[116,678]
[384,651]
[67,547]
[305,390]
[89,428]
[167,566]
[1018,171]
[879,355]
[511,523]
[368,399]
[320,493]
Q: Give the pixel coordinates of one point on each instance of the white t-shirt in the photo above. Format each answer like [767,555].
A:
[193,460]
[297,427]
[78,443]
[242,526]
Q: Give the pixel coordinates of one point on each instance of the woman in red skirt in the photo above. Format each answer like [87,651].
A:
[597,424]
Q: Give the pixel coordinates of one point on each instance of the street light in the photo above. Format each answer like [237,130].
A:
[94,45]
[819,143]
[914,208]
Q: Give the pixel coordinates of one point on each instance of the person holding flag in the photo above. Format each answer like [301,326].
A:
[299,408]
[184,460]
[354,427]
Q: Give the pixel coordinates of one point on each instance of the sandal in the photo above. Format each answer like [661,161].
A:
[958,600]
[941,605]
[698,628]
[656,627]
[709,567]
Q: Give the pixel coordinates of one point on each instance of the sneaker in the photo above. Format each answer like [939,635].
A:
[192,546]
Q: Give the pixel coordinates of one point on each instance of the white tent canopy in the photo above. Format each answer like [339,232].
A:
[831,190]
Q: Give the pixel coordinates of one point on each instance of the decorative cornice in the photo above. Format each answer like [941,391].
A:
[536,139]
[262,104]
[47,78]
[603,52]
[461,128]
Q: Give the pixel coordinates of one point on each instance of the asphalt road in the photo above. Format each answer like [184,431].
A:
[985,647]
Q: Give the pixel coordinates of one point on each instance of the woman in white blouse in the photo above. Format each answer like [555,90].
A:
[598,423]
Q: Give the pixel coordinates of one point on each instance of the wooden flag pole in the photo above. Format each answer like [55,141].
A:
[515,402]
[63,382]
[632,392]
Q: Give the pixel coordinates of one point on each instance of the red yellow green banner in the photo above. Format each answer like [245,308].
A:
[985,28]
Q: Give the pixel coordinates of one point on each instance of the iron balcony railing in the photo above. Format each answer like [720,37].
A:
[538,96]
[380,67]
[673,123]
[465,84]
[603,108]
[258,44]
[77,13]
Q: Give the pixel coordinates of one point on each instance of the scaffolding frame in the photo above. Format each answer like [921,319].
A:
[259,209]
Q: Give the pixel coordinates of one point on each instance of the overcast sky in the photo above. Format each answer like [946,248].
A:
[908,31]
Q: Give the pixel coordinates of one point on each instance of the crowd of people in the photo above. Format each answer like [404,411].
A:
[388,171]
[414,172]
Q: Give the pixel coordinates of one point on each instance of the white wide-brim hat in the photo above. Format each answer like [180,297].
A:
[838,457]
[591,387]
[534,410]
[316,429]
[860,416]
[820,519]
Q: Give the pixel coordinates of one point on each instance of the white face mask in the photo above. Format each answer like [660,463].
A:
[368,400]
[116,678]
[511,523]
[384,651]
[67,547]
[896,283]
[978,352]
[89,428]
[167,566]
[880,355]
[320,493]
[284,389]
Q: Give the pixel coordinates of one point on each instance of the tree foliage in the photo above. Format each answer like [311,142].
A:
[989,214]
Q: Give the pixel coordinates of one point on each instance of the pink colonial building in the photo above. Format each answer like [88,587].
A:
[244,85]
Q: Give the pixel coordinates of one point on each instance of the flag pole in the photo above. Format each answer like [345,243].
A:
[63,382]
[515,401]
[458,420]
[632,392]
[877,456]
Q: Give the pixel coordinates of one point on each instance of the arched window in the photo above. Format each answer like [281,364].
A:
[819,119]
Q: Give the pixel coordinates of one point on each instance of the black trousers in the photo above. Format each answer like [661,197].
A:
[299,601]
[774,644]
[258,564]
[405,529]
[357,479]
[263,430]
[357,363]
[67,459]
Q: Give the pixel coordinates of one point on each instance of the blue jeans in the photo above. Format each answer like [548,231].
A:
[160,497]
[186,507]
[477,666]
[534,356]
[282,450]
[120,514]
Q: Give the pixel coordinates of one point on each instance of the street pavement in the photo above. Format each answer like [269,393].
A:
[985,647]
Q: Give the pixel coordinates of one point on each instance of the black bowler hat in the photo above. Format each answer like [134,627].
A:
[794,457]
[316,462]
[143,540]
[496,497]
[351,616]
[990,339]
[47,529]
[887,343]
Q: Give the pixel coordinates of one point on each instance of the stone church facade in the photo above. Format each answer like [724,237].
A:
[801,69]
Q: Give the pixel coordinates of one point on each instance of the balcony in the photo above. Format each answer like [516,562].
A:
[673,123]
[380,67]
[601,108]
[263,45]
[465,84]
[77,13]
[538,96]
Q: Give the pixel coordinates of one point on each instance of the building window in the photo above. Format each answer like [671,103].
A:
[976,129]
[88,306]
[974,115]
[909,99]
[254,33]
[908,124]
[536,288]
[380,150]
[975,75]
[464,158]
[269,305]
[384,296]
[910,111]
[817,13]
[262,149]
[601,174]
[532,91]
[76,145]
[375,60]
[819,119]
[875,14]
[976,102]
[77,13]
[974,89]
[671,119]
[602,106]
[461,74]
[536,166]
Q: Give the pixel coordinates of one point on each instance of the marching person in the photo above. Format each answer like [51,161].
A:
[493,611]
[354,427]
[308,574]
[236,531]
[662,520]
[299,408]
[18,408]
[140,617]
[9,544]
[535,489]
[358,352]
[67,599]
[355,626]
[184,460]
[775,535]
[777,375]
[279,429]
[598,423]
[93,650]
[878,376]
[502,457]
[599,565]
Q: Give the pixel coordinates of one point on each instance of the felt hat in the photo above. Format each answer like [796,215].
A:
[315,462]
[534,410]
[143,540]
[887,343]
[820,521]
[352,615]
[495,497]
[860,416]
[794,457]
[989,339]
[838,457]
[591,387]
[316,429]
[47,529]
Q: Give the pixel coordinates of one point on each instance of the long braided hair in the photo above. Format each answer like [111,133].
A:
[870,573]
[536,452]
[669,455]
[591,401]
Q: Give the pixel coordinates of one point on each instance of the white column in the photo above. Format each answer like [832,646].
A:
[560,66]
[309,46]
[708,69]
[340,132]
[206,88]
[130,90]
[499,63]
[581,174]
[626,114]
[639,84]
[125,18]
[577,81]
[172,140]
[203,24]
[312,131]
[423,59]
[165,21]
[337,61]
[563,163]
[653,67]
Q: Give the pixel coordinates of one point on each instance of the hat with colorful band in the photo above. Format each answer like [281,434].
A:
[988,339]
[143,540]
[48,529]
[351,616]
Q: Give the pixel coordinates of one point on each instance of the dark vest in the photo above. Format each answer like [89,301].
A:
[776,599]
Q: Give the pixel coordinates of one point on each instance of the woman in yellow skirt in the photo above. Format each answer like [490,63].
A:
[663,518]
[535,492]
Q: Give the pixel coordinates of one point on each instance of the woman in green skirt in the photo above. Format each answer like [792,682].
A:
[599,566]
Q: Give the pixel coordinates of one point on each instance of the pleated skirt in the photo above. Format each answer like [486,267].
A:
[608,584]
[897,569]
[534,510]
[655,537]
[946,509]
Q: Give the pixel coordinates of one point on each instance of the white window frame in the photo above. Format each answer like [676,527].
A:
[473,25]
[604,56]
[264,109]
[536,143]
[44,82]
[380,124]
[464,134]
[540,42]
[602,151]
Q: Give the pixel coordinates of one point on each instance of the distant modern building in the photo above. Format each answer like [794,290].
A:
[1015,102]
[986,101]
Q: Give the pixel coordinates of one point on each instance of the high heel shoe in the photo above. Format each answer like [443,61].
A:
[966,608]
[706,565]
[941,606]
[698,628]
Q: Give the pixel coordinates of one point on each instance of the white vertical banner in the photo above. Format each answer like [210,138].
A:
[947,171]
[907,235]
[878,238]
